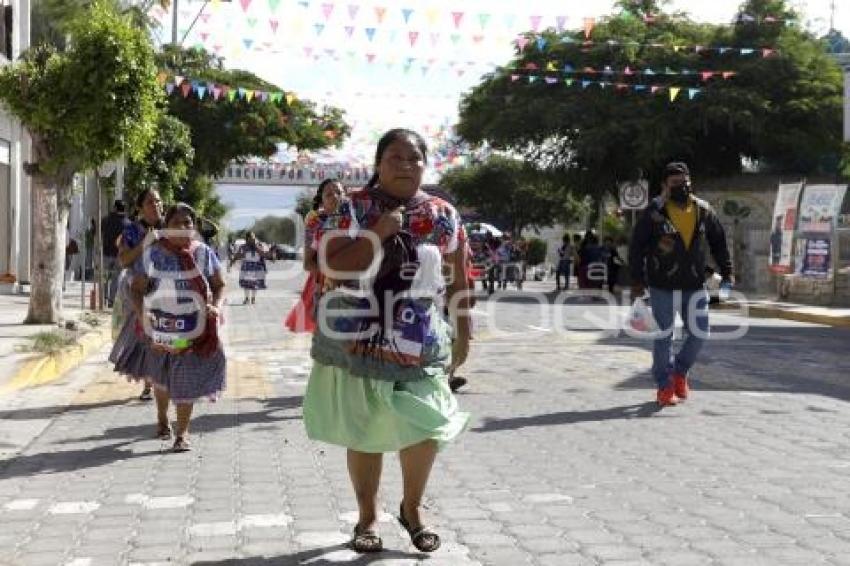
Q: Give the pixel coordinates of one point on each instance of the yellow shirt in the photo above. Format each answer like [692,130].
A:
[684,219]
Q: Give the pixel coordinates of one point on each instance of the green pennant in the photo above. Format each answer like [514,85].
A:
[568,82]
[231,94]
[455,38]
[483,19]
[273,5]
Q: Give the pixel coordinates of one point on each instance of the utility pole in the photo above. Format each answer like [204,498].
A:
[832,15]
[174,22]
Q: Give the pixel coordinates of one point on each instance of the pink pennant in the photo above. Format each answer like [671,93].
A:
[274,24]
[204,36]
[706,75]
[308,51]
[186,88]
[535,22]
[457,17]
[327,10]
[370,57]
[477,38]
[205,18]
[413,36]
[245,4]
[561,22]
[628,71]
[767,52]
[218,48]
[352,10]
[460,72]
[531,66]
[521,42]
[380,12]
[349,30]
[216,92]
[515,78]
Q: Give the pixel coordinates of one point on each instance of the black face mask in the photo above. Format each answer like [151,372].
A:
[680,193]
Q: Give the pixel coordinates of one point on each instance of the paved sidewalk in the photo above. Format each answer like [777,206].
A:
[567,461]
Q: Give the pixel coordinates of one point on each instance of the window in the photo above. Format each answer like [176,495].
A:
[6,29]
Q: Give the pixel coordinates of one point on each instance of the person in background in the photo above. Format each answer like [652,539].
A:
[129,351]
[668,255]
[565,263]
[613,261]
[592,265]
[252,271]
[111,227]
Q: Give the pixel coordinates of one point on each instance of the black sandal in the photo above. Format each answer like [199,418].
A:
[365,541]
[423,538]
[163,431]
[180,445]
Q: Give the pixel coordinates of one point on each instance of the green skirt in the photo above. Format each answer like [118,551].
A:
[370,415]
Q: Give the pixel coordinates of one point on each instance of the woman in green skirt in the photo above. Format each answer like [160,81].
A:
[383,347]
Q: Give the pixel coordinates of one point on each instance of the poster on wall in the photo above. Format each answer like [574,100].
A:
[819,208]
[782,227]
[817,257]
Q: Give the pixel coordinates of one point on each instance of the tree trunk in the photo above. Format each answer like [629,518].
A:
[49,219]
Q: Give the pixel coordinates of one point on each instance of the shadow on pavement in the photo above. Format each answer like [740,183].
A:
[642,410]
[49,412]
[316,557]
[68,460]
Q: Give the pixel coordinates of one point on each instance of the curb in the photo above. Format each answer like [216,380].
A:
[47,368]
[757,311]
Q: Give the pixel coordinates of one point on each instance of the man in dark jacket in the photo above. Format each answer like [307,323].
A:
[111,227]
[667,255]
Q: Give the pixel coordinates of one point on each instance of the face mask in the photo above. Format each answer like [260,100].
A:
[680,193]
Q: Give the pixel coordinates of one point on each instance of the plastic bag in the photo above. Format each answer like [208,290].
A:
[640,317]
[118,315]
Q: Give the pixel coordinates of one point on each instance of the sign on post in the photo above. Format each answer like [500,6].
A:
[634,195]
[782,227]
[819,210]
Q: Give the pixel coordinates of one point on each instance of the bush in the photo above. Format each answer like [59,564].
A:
[536,251]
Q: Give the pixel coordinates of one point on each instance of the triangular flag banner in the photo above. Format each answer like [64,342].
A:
[274,24]
[483,19]
[723,50]
[655,89]
[551,80]
[477,38]
[692,93]
[406,13]
[349,30]
[561,22]
[569,68]
[249,95]
[728,74]
[319,28]
[747,51]
[248,42]
[435,37]
[290,98]
[231,95]
[370,33]
[202,91]
[767,52]
[380,12]
[169,88]
[413,36]
[677,48]
[252,22]
[648,71]
[532,78]
[352,10]
[541,43]
[178,80]
[585,84]
[640,88]
[245,4]
[535,22]
[327,10]
[216,92]
[674,92]
[455,38]
[568,82]
[457,17]
[308,51]
[531,66]
[370,57]
[589,24]
[186,89]
[628,72]
[514,78]
[240,93]
[204,36]
[706,75]
[550,66]
[521,42]
[273,5]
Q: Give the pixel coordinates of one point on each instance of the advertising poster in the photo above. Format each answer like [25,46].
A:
[819,208]
[782,227]
[817,257]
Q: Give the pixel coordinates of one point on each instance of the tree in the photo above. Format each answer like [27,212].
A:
[81,107]
[508,191]
[779,110]
[304,202]
[279,230]
[166,163]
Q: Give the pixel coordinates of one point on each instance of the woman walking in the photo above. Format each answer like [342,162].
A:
[177,290]
[379,384]
[328,197]
[128,350]
[252,272]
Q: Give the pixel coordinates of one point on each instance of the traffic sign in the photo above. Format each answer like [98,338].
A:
[634,195]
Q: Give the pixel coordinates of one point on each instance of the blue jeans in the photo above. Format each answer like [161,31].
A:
[693,308]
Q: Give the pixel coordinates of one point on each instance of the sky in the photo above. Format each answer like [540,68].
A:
[392,63]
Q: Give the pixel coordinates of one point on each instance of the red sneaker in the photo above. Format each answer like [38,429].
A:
[680,385]
[667,397]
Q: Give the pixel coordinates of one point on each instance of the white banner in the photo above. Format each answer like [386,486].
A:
[782,230]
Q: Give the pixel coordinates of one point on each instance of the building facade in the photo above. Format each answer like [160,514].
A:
[14,151]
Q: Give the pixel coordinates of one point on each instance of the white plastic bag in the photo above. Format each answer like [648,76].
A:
[640,317]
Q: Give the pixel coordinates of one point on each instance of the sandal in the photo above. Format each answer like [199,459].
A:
[180,445]
[146,394]
[423,538]
[163,431]
[365,540]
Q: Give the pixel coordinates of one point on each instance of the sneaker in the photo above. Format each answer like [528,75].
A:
[680,385]
[666,397]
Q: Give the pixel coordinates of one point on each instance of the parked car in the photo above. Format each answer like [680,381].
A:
[283,251]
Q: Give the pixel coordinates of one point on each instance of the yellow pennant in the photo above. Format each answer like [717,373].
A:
[290,98]
[674,93]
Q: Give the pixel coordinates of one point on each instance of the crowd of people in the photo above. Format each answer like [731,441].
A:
[381,376]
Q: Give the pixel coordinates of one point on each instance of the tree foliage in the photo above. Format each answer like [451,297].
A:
[509,192]
[275,229]
[166,163]
[779,110]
